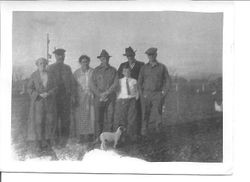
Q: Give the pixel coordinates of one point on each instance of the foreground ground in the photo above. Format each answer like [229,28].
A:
[193,134]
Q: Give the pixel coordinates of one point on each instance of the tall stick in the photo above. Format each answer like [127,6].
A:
[48,41]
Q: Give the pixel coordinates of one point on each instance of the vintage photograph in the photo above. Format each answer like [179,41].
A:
[142,84]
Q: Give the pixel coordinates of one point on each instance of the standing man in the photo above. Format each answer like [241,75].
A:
[65,95]
[154,84]
[103,84]
[132,63]
[135,67]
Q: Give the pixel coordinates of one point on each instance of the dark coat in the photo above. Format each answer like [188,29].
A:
[67,77]
[42,110]
[134,71]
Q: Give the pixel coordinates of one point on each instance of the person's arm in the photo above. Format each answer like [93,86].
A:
[54,89]
[113,87]
[75,89]
[75,83]
[32,90]
[136,90]
[93,85]
[120,75]
[166,81]
[72,83]
[140,80]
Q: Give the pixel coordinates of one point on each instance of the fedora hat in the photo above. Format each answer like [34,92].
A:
[104,53]
[129,52]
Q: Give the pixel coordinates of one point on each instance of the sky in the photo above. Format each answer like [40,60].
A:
[189,44]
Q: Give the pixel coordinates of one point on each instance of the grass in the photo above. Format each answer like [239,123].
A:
[192,132]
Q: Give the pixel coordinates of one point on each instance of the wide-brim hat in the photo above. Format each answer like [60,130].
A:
[129,52]
[59,51]
[104,53]
[151,51]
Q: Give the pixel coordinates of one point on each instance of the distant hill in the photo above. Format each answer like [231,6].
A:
[200,75]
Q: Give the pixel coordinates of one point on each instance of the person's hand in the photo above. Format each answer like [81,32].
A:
[44,95]
[163,93]
[104,96]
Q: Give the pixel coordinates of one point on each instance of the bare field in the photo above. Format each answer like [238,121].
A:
[192,132]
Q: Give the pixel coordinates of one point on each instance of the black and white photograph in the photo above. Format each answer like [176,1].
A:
[103,85]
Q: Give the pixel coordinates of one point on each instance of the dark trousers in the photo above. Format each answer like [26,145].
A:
[126,115]
[151,104]
[139,116]
[63,116]
[104,115]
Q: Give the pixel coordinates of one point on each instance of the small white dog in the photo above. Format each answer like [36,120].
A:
[111,137]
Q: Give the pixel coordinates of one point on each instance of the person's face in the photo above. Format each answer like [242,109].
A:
[41,66]
[152,57]
[84,64]
[130,58]
[104,60]
[126,72]
[60,58]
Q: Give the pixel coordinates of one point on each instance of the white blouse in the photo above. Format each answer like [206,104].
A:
[44,78]
[83,78]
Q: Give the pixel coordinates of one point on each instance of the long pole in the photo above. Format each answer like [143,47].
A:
[48,56]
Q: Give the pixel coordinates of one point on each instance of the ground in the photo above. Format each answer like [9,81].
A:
[192,132]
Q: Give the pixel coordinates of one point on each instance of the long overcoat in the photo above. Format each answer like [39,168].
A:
[42,115]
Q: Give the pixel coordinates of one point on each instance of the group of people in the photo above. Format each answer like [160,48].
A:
[90,101]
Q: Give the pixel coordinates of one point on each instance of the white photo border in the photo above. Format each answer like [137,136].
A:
[7,162]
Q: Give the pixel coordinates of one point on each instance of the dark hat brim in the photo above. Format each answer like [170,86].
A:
[103,56]
[59,52]
[129,54]
[150,53]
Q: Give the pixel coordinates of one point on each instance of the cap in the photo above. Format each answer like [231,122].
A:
[151,51]
[59,51]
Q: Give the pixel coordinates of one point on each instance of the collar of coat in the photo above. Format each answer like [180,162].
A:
[153,64]
[105,66]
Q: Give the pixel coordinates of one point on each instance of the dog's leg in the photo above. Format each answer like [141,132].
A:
[115,143]
[102,146]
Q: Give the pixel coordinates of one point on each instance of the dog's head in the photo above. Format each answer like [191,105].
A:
[121,129]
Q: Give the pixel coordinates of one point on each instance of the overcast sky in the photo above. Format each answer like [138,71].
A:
[190,43]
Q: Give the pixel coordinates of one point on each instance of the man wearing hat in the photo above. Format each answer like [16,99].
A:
[154,84]
[135,67]
[132,63]
[64,96]
[103,84]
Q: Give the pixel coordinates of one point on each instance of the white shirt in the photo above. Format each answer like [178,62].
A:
[132,83]
[44,78]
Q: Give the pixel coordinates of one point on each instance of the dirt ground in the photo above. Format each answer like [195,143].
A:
[192,132]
